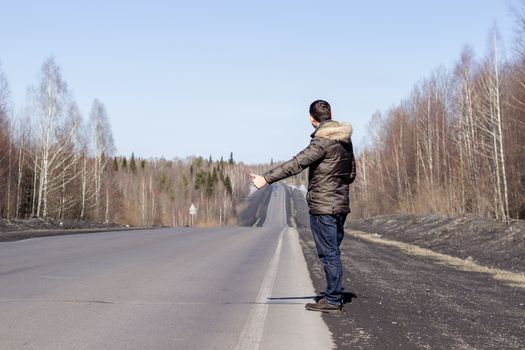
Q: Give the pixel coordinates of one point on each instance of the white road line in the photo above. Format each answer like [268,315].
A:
[252,331]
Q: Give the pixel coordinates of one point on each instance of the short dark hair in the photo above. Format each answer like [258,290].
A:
[320,110]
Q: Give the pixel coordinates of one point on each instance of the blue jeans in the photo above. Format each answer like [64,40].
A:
[328,232]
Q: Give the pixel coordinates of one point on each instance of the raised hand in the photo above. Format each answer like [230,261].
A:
[258,181]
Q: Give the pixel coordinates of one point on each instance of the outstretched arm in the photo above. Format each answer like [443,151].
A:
[308,156]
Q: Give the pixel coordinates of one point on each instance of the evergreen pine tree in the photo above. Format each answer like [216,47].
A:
[228,185]
[133,164]
[214,176]
[209,184]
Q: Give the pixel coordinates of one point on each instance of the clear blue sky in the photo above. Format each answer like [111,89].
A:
[209,77]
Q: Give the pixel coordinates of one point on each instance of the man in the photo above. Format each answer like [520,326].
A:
[330,160]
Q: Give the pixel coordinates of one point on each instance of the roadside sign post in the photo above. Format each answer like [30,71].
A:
[193,212]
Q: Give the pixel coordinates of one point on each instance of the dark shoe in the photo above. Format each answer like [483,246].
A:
[323,306]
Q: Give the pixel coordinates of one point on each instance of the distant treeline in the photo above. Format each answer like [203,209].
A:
[455,145]
[160,192]
[54,164]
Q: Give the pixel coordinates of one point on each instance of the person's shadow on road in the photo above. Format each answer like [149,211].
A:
[347,298]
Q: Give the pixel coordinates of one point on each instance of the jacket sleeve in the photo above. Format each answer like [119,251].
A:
[353,171]
[308,156]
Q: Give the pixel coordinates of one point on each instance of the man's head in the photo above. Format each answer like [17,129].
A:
[319,112]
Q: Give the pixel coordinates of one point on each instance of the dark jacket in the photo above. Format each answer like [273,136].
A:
[331,163]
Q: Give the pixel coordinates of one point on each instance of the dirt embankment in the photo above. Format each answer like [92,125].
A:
[16,229]
[484,241]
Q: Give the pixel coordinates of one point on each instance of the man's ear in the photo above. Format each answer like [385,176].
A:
[314,122]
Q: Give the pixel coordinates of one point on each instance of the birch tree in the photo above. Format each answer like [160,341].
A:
[102,147]
[68,135]
[50,98]
[23,140]
[491,125]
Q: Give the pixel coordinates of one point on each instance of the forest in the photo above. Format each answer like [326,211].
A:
[454,145]
[54,164]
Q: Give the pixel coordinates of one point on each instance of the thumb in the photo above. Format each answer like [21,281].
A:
[253,175]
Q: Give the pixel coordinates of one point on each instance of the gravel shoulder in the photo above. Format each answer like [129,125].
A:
[395,300]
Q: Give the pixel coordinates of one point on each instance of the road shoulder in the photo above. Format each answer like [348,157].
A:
[289,325]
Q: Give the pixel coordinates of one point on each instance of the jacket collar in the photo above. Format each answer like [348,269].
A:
[334,130]
[319,126]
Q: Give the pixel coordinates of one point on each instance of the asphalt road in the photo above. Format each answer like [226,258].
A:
[221,288]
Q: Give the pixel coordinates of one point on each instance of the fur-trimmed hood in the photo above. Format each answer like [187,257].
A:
[334,130]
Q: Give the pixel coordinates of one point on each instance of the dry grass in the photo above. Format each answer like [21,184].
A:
[512,279]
